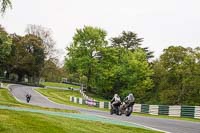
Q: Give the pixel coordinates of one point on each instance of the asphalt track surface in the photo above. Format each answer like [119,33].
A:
[165,125]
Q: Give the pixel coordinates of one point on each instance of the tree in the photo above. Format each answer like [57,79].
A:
[177,76]
[108,69]
[51,72]
[5,47]
[81,58]
[130,41]
[27,57]
[129,74]
[47,40]
[4,5]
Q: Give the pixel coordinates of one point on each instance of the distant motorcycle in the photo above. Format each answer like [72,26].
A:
[28,98]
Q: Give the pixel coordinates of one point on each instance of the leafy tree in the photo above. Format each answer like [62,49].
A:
[81,58]
[27,57]
[5,47]
[131,74]
[177,76]
[108,69]
[47,40]
[130,41]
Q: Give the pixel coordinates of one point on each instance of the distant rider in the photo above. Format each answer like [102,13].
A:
[116,101]
[28,97]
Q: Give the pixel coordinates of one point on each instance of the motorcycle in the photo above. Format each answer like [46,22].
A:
[115,109]
[28,98]
[123,109]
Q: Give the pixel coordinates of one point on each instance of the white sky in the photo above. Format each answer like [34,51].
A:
[160,22]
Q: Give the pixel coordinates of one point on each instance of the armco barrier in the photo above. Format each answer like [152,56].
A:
[197,112]
[145,108]
[101,104]
[106,105]
[175,110]
[163,110]
[153,109]
[187,111]
[137,108]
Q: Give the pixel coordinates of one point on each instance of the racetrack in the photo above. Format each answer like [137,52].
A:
[166,125]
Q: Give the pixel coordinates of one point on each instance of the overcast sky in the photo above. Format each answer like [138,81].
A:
[160,22]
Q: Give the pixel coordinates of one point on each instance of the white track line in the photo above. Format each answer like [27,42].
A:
[140,125]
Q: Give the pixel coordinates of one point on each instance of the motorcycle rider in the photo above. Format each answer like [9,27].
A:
[28,97]
[116,101]
[129,100]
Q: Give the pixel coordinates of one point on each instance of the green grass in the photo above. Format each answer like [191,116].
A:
[62,85]
[63,97]
[25,122]
[7,99]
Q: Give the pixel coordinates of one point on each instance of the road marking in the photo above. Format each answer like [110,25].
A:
[147,127]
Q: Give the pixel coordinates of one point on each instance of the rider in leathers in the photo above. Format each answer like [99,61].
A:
[116,101]
[129,100]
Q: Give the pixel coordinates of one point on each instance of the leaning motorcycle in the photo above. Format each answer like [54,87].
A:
[115,110]
[123,109]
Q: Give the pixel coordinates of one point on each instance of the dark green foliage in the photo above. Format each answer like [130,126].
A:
[51,72]
[177,76]
[5,46]
[27,57]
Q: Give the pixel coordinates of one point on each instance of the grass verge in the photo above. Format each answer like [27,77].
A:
[62,85]
[23,122]
[63,97]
